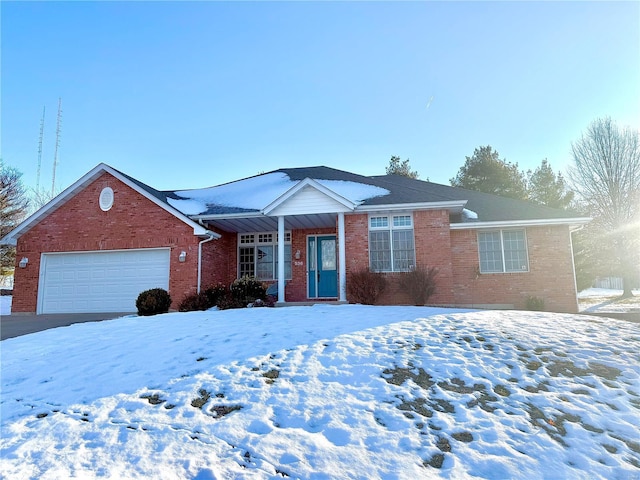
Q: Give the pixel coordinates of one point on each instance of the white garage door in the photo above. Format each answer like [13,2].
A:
[105,281]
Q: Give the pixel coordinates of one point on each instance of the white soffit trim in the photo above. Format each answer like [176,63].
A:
[455,206]
[521,223]
[310,183]
[56,202]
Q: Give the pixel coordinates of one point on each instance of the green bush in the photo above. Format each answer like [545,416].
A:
[419,283]
[535,304]
[365,286]
[246,290]
[153,301]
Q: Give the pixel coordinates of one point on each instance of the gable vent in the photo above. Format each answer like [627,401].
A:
[106,198]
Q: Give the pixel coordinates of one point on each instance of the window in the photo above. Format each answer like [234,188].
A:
[503,251]
[391,246]
[258,255]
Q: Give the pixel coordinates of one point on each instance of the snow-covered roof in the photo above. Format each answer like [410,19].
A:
[255,193]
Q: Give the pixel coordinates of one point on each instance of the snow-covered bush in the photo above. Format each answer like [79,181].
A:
[419,284]
[153,301]
[365,286]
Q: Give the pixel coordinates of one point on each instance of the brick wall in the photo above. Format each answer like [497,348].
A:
[550,275]
[432,249]
[80,225]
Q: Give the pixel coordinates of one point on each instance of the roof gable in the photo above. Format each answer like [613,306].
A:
[93,174]
[307,197]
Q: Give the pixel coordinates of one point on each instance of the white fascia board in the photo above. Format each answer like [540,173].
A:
[302,184]
[27,223]
[455,206]
[521,223]
[11,238]
[227,216]
[198,229]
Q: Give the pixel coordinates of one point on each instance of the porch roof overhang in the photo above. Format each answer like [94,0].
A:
[259,221]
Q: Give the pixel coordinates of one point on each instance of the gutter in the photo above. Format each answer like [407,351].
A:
[575,222]
[211,236]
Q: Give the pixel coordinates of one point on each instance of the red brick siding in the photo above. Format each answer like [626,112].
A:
[432,249]
[219,260]
[80,225]
[550,275]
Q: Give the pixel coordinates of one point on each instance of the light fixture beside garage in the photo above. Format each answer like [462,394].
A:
[182,257]
[23,262]
[106,198]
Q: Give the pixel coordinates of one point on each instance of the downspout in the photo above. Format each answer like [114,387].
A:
[211,237]
[573,263]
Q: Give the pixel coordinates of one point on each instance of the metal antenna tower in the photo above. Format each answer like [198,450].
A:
[40,149]
[55,154]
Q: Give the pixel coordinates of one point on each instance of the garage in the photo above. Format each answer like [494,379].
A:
[100,281]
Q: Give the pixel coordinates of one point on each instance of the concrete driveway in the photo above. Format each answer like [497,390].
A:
[17,325]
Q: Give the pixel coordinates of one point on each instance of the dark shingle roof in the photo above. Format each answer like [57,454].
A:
[407,190]
[403,190]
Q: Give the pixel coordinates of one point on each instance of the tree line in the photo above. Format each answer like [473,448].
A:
[603,183]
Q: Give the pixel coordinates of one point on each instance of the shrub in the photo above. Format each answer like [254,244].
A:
[419,283]
[247,290]
[195,301]
[365,286]
[535,304]
[214,294]
[152,302]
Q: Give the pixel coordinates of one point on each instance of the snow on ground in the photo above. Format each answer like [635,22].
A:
[603,300]
[5,305]
[324,392]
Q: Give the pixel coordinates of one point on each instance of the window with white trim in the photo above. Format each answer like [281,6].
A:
[258,255]
[503,251]
[391,245]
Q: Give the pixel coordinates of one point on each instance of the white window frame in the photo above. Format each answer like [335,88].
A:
[387,223]
[255,240]
[502,251]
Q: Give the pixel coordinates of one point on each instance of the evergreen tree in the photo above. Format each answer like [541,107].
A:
[486,172]
[548,188]
[397,167]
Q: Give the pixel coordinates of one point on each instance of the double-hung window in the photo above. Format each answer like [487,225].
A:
[503,251]
[391,245]
[258,255]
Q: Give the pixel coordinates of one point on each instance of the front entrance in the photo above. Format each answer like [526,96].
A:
[322,279]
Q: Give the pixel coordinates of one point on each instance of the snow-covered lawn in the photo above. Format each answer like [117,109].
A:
[604,300]
[324,392]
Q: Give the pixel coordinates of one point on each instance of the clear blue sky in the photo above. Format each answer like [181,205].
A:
[186,95]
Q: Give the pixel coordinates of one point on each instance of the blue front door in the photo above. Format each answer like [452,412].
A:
[323,275]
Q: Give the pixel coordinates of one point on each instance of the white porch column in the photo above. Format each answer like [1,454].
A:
[342,267]
[281,278]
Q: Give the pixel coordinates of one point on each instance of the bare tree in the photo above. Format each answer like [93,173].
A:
[606,176]
[13,208]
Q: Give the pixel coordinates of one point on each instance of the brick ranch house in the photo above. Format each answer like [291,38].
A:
[108,236]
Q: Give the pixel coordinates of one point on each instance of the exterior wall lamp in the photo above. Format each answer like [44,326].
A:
[23,262]
[182,257]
